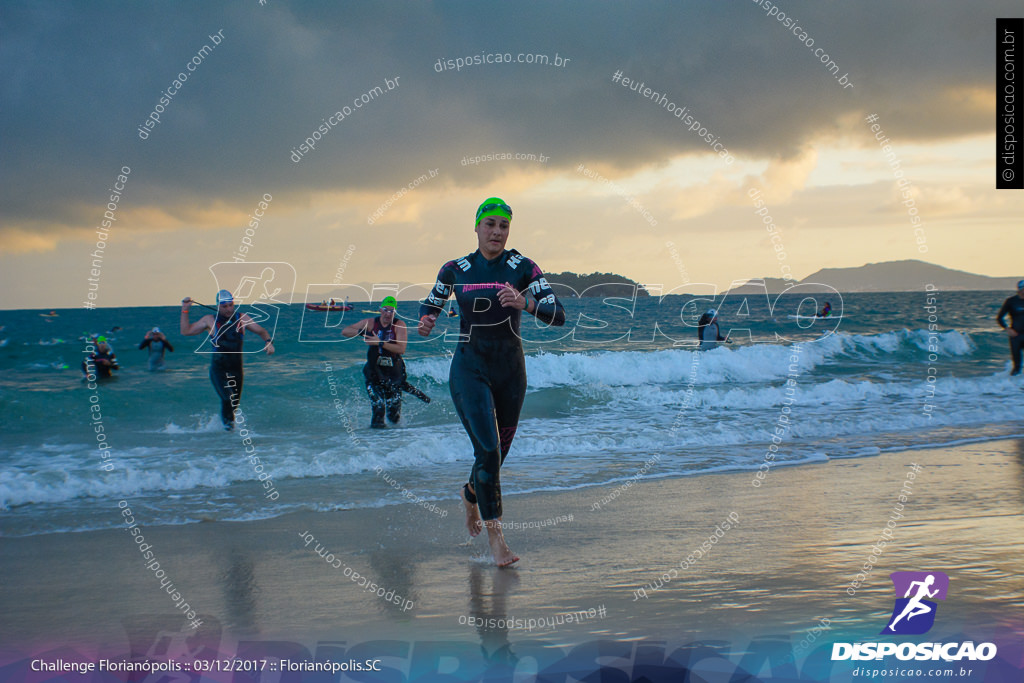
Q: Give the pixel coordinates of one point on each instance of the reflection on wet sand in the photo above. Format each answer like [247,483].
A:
[490,610]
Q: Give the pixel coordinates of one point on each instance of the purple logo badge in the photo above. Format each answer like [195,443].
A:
[914,612]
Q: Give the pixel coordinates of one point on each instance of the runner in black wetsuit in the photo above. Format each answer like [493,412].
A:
[488,373]
[384,370]
[226,331]
[1015,307]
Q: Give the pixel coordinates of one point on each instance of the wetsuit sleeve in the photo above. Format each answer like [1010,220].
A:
[434,303]
[548,309]
[145,343]
[1002,313]
[168,345]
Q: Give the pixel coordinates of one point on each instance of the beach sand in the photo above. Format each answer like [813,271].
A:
[783,568]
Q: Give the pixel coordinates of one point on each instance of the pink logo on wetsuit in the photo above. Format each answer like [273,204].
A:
[483,285]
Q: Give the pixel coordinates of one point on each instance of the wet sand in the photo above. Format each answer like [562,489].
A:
[780,564]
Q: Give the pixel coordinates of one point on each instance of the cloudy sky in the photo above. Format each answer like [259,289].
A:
[79,79]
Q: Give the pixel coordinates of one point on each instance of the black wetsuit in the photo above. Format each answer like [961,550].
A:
[101,371]
[488,373]
[156,351]
[226,364]
[1015,307]
[385,374]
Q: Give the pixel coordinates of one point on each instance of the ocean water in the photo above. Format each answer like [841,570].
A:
[618,391]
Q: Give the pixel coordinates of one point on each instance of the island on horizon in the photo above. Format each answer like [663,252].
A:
[908,275]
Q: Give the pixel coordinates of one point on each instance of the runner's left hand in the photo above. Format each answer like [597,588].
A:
[509,297]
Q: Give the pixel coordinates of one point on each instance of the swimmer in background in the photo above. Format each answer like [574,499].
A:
[707,330]
[386,339]
[102,360]
[157,343]
[1015,330]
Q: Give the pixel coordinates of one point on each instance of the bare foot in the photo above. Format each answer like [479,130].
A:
[473,521]
[503,555]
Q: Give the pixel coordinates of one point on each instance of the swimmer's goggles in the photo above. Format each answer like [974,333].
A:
[490,207]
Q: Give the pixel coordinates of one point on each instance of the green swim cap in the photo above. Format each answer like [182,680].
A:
[389,301]
[493,206]
[101,339]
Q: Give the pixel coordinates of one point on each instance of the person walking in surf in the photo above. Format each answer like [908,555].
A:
[102,360]
[708,333]
[1015,330]
[384,371]
[227,331]
[157,343]
[488,371]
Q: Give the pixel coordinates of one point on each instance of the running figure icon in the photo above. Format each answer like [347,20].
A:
[916,593]
[915,607]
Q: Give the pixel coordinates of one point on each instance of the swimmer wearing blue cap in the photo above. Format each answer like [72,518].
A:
[226,331]
[1015,307]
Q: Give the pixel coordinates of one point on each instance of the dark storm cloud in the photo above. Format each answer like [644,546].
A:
[80,78]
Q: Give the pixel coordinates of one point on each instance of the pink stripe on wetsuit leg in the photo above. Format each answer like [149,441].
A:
[506,434]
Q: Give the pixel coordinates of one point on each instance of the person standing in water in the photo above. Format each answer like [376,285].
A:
[384,371]
[157,343]
[102,360]
[488,371]
[1015,307]
[707,330]
[226,330]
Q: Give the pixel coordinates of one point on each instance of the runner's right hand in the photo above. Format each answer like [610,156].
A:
[427,323]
